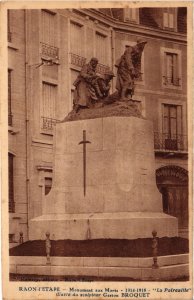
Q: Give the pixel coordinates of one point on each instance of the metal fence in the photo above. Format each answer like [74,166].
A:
[165,141]
[49,51]
[171,81]
[48,123]
[77,60]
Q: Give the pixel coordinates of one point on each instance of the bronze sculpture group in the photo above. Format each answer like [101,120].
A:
[91,88]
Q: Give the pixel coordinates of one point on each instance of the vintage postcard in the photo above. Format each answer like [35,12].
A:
[96,150]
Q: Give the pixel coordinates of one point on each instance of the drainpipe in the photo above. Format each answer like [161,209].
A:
[27,80]
[113,54]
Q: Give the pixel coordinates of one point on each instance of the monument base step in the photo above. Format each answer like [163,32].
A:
[120,225]
[170,267]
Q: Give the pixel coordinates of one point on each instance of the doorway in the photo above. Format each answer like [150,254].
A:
[172,183]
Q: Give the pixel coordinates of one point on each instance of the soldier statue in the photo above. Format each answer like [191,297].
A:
[128,70]
[89,87]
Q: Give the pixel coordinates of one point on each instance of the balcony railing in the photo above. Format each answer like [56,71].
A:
[171,81]
[49,51]
[167,142]
[48,123]
[101,69]
[11,206]
[77,60]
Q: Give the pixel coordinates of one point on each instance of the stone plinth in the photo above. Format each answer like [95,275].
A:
[171,267]
[121,200]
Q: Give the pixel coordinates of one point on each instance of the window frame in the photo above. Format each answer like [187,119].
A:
[46,176]
[184,129]
[11,193]
[170,11]
[49,50]
[43,130]
[163,53]
[128,15]
[53,14]
[172,140]
[9,31]
[105,36]
[169,118]
[82,26]
[44,171]
[9,97]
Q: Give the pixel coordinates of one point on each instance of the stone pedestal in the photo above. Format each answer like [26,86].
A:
[121,200]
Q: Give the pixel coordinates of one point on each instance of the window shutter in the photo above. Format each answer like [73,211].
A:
[133,14]
[77,39]
[49,96]
[165,19]
[171,21]
[173,121]
[169,64]
[9,37]
[179,120]
[48,28]
[175,66]
[11,183]
[165,119]
[9,99]
[101,48]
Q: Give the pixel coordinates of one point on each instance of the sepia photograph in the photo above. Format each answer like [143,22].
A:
[98,157]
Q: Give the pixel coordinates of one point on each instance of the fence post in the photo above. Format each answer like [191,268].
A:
[88,234]
[155,250]
[21,237]
[48,248]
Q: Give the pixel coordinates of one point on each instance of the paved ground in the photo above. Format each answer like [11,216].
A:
[18,277]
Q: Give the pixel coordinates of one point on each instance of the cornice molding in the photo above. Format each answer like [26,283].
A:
[133,28]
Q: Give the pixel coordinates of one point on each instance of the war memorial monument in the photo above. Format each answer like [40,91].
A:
[104,186]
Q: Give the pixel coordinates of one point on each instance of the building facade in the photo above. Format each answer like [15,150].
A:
[46,50]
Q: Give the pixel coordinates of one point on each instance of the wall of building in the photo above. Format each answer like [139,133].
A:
[17,130]
[31,137]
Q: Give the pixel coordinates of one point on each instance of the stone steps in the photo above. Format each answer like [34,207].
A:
[170,267]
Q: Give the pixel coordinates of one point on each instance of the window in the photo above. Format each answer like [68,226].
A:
[171,66]
[77,39]
[48,47]
[172,69]
[11,238]
[49,96]
[48,28]
[172,127]
[169,19]
[47,185]
[101,48]
[11,183]
[8,27]
[131,15]
[9,97]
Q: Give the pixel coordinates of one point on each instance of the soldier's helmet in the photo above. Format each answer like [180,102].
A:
[94,59]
